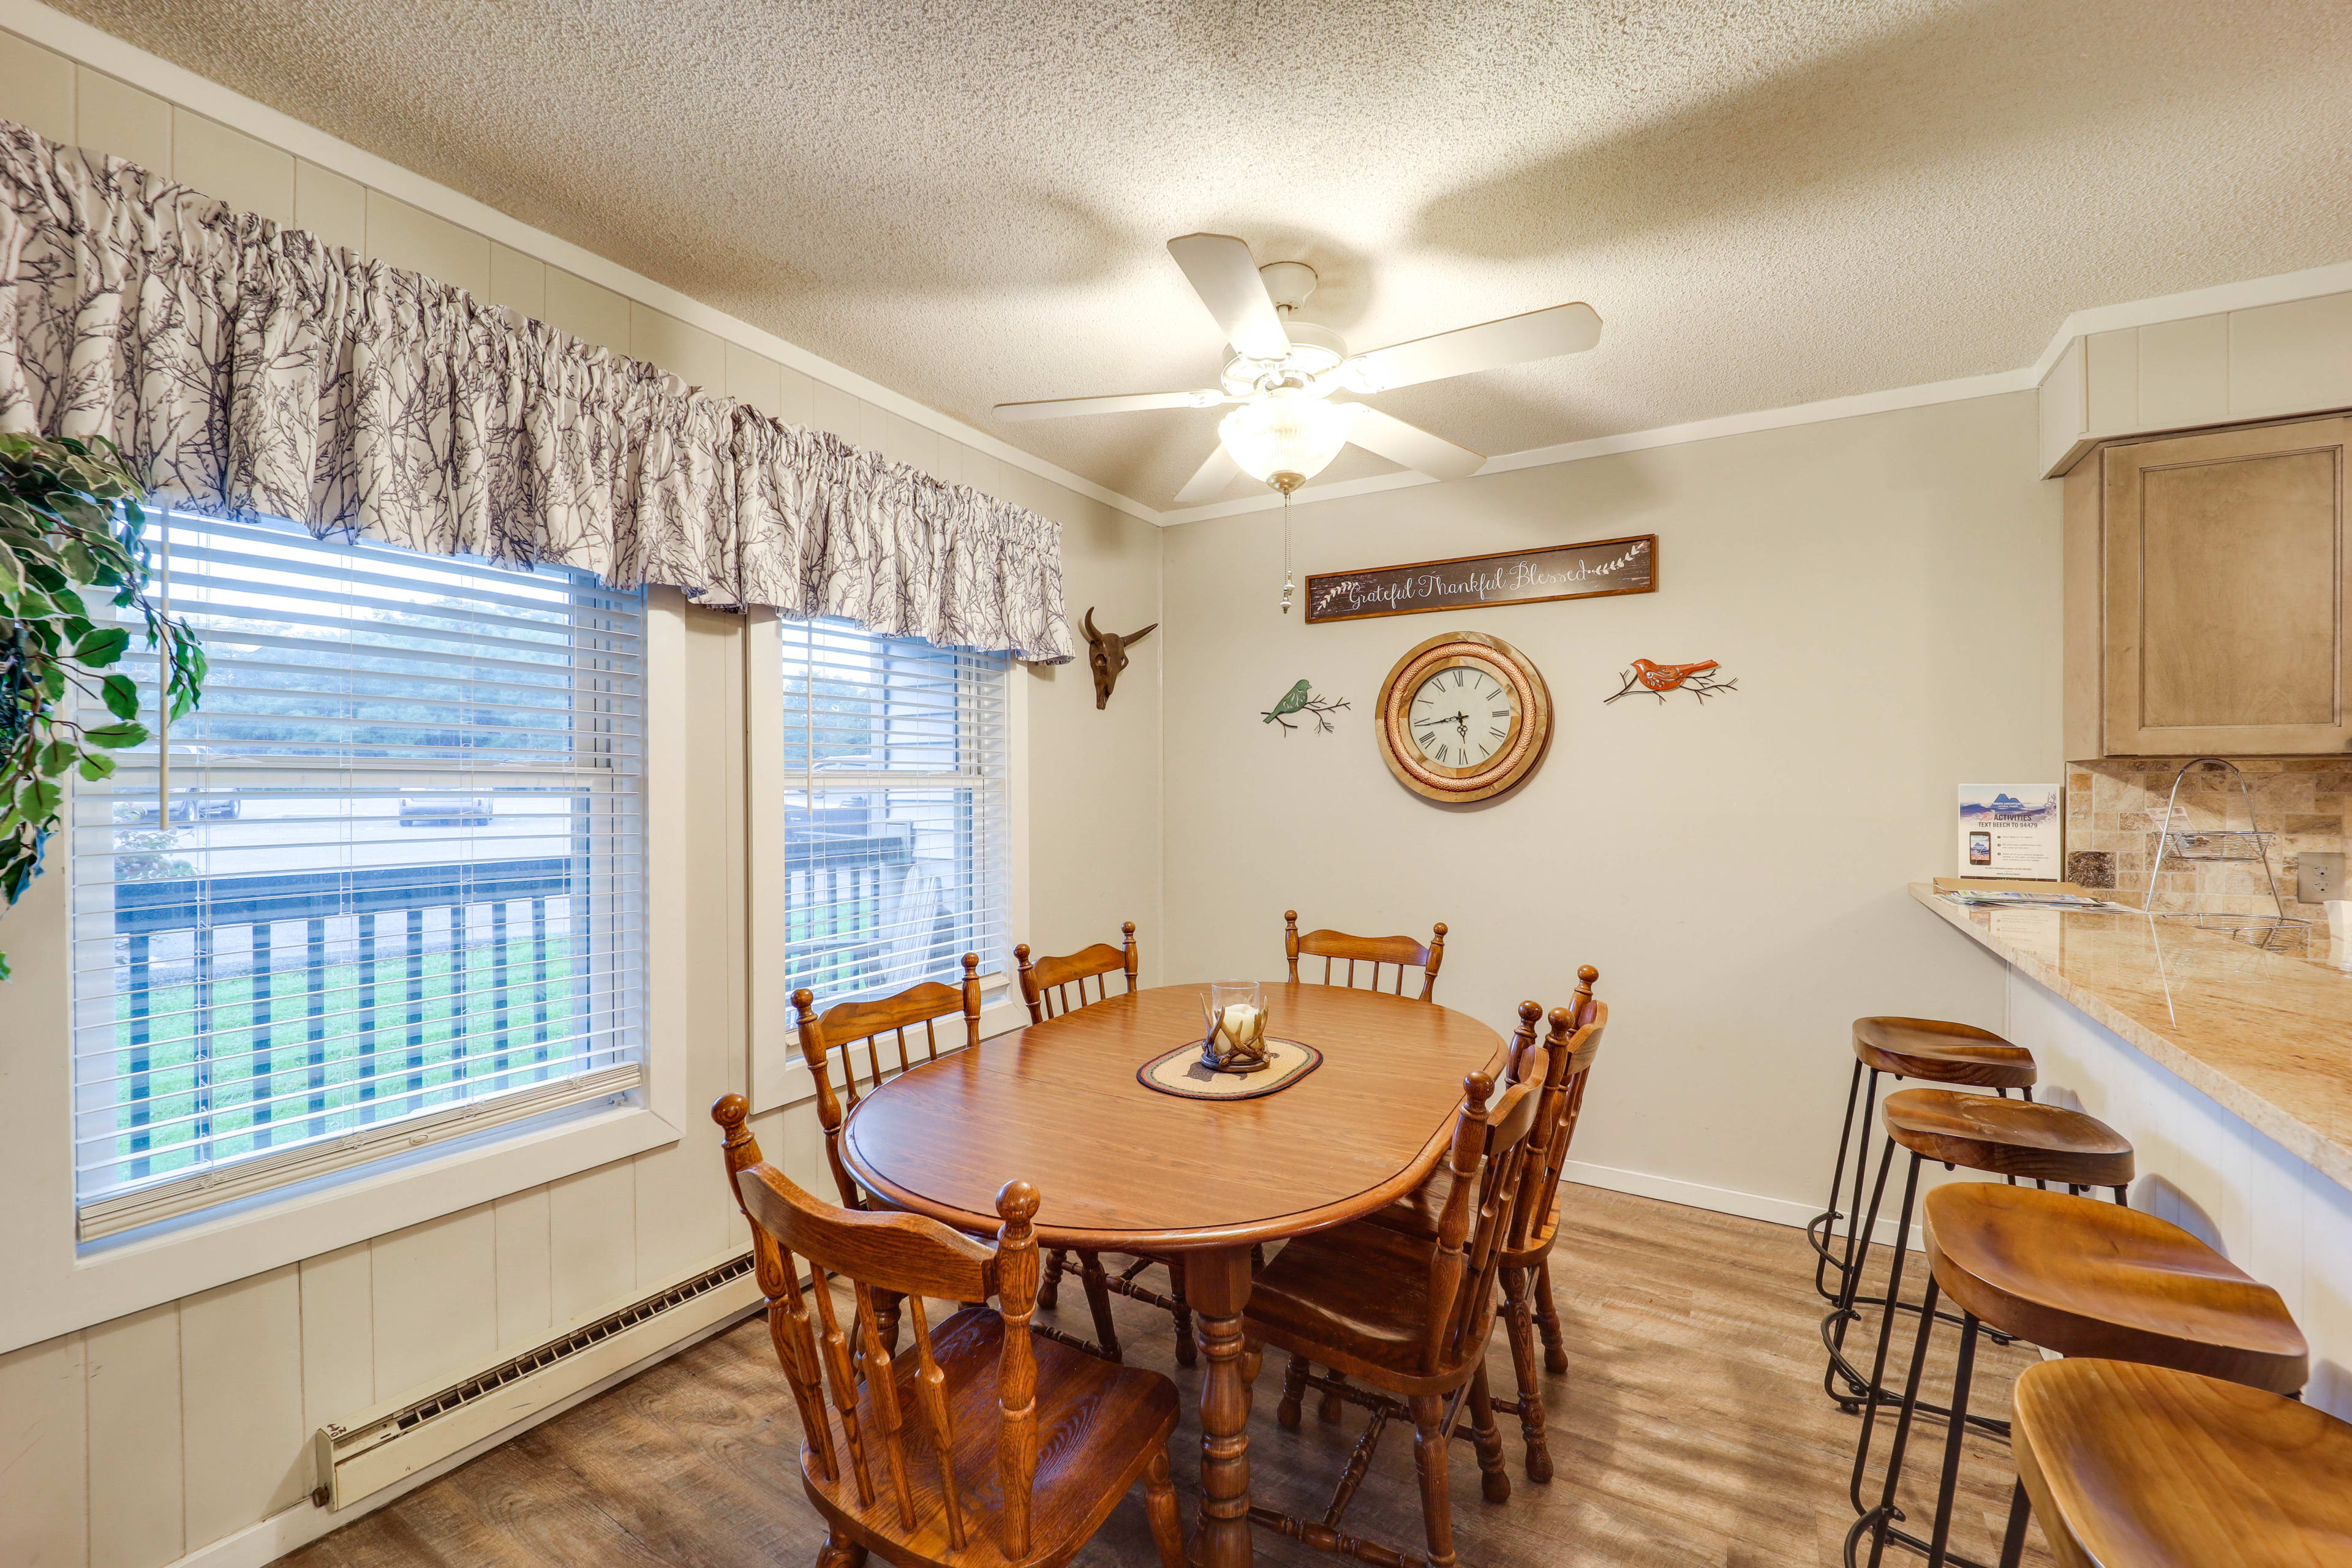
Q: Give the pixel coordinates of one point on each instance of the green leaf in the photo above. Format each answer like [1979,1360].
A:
[78,561]
[38,798]
[97,765]
[101,647]
[122,696]
[113,736]
[58,756]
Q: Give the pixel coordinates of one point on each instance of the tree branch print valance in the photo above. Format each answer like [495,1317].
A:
[250,370]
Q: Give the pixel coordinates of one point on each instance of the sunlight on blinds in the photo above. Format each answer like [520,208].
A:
[386,886]
[895,833]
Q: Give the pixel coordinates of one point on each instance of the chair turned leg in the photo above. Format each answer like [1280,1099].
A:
[1160,1505]
[1294,1389]
[1332,1405]
[1437,1496]
[1049,1286]
[840,1551]
[1548,1320]
[1520,1324]
[1493,1476]
[1091,1275]
[1187,1352]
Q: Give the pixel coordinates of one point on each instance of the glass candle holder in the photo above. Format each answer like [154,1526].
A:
[1233,1027]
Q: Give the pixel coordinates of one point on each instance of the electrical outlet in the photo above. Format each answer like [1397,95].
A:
[2318,879]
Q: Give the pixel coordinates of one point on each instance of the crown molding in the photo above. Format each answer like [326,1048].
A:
[102,51]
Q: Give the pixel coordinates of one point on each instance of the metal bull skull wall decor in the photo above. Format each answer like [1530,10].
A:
[1107,653]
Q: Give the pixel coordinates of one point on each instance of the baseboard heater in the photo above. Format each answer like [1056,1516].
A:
[369,1451]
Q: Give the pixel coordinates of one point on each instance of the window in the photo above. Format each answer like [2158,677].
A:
[896,804]
[382,888]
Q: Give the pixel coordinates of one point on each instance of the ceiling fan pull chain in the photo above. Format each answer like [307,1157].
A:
[1286,553]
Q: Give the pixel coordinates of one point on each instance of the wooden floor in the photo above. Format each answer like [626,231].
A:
[1690,1429]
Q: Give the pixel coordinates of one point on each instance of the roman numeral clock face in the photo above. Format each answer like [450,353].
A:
[1464,717]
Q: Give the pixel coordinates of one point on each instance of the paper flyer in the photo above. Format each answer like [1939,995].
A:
[2011,830]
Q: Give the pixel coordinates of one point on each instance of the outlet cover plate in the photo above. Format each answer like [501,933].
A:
[2318,879]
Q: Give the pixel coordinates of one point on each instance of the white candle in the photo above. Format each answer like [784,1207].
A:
[1236,1022]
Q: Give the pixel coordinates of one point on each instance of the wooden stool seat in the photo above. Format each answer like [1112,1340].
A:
[2009,1137]
[2089,1278]
[1093,1418]
[2159,1468]
[1942,1052]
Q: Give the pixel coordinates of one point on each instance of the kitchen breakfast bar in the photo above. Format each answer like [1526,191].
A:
[2228,1067]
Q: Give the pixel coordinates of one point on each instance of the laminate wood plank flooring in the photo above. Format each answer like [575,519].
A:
[1690,1430]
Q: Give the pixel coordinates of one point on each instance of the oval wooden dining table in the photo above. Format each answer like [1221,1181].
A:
[1123,1168]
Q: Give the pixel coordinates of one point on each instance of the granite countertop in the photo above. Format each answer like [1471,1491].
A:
[2267,1036]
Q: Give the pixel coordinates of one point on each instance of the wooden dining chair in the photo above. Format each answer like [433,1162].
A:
[1400,952]
[1404,1321]
[1045,985]
[1559,1070]
[977,1416]
[844,1027]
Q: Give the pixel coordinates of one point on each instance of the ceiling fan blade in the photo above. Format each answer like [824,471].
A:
[1411,444]
[1224,275]
[1514,339]
[1122,403]
[1210,481]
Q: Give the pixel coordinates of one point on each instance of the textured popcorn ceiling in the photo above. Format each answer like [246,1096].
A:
[1768,202]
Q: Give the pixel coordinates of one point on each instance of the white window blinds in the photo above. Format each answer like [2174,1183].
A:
[895,831]
[384,887]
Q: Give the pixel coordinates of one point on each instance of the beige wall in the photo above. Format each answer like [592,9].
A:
[1885,590]
[135,1442]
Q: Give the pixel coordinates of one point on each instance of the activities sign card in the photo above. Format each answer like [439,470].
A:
[2011,830]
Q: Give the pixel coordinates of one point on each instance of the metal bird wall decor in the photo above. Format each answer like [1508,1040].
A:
[1106,655]
[1301,698]
[1657,679]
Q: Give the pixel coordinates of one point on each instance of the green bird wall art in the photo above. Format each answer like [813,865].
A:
[1301,698]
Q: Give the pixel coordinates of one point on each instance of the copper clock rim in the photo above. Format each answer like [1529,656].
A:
[1409,679]
[1510,767]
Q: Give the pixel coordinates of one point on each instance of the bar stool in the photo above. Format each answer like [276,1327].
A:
[2015,1139]
[2167,1469]
[1927,1049]
[2081,1278]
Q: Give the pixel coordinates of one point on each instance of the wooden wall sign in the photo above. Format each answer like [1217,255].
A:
[1590,571]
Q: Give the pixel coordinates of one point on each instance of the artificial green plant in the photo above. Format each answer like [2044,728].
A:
[72,532]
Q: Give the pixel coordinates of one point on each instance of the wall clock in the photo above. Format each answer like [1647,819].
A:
[1464,717]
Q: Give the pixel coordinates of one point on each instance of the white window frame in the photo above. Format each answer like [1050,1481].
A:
[54,1285]
[779,1075]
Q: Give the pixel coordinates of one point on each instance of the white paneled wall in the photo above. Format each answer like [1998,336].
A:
[134,1443]
[2207,1171]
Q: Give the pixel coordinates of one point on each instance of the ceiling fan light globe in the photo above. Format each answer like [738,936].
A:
[1287,433]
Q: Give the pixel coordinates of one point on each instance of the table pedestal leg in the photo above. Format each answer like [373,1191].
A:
[1217,1287]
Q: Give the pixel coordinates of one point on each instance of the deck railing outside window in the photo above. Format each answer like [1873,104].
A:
[382,888]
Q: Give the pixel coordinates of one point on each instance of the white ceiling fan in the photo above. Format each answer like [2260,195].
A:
[1283,372]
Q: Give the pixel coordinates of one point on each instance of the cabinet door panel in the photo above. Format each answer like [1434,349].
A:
[2225,575]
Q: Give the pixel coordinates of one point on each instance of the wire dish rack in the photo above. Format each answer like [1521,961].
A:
[2275,931]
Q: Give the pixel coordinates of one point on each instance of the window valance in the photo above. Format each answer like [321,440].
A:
[255,371]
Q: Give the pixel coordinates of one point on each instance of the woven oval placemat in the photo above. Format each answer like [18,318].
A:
[1179,1072]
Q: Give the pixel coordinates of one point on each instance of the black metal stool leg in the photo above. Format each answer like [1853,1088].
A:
[1875,1521]
[2012,1539]
[1833,1324]
[1822,1230]
[1886,1334]
[1958,1430]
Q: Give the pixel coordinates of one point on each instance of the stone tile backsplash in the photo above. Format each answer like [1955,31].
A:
[2303,803]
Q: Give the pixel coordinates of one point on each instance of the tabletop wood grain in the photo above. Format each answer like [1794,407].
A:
[1122,1166]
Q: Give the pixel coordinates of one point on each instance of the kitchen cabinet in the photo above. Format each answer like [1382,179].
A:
[2207,580]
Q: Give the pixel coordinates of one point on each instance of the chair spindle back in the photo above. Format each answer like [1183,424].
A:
[843,1028]
[1401,953]
[901,1255]
[1045,985]
[1571,1045]
[1487,1159]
